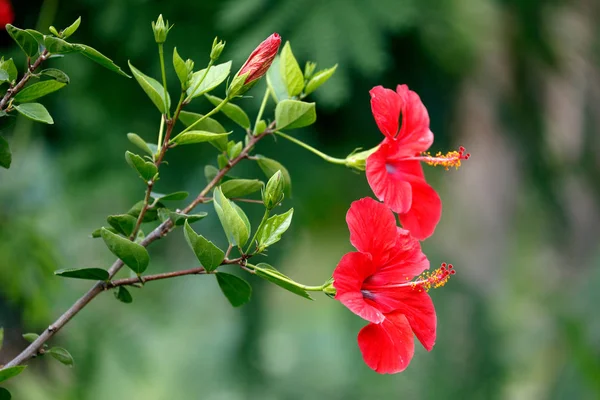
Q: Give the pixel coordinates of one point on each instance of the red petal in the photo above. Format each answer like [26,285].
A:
[348,277]
[425,211]
[386,106]
[372,228]
[387,347]
[414,133]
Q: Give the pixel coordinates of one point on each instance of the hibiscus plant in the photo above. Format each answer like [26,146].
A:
[385,281]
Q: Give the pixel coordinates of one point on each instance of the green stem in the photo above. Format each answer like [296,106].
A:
[262,222]
[210,64]
[164,78]
[333,160]
[160,132]
[212,112]
[262,109]
[291,282]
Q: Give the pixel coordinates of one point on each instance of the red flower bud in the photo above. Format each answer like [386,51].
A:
[7,15]
[261,59]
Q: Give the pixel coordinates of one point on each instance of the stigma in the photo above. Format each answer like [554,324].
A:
[434,279]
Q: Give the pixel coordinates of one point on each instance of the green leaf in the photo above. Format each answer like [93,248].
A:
[59,46]
[56,74]
[292,114]
[237,290]
[290,71]
[208,125]
[38,36]
[98,232]
[122,294]
[180,68]
[235,224]
[318,79]
[140,143]
[234,149]
[123,223]
[150,215]
[34,111]
[175,196]
[26,42]
[210,172]
[101,59]
[53,30]
[62,355]
[192,137]
[8,373]
[30,337]
[11,69]
[5,154]
[275,81]
[232,111]
[269,273]
[270,167]
[94,274]
[179,218]
[153,89]
[209,255]
[1,337]
[37,90]
[5,394]
[4,76]
[146,169]
[273,228]
[215,76]
[241,187]
[132,254]
[68,31]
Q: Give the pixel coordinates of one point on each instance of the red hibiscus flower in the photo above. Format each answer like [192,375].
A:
[394,171]
[6,13]
[375,283]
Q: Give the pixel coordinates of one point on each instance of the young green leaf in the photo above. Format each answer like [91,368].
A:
[56,74]
[240,187]
[68,31]
[208,125]
[30,337]
[94,274]
[269,273]
[10,67]
[58,46]
[150,215]
[234,221]
[5,394]
[192,137]
[37,90]
[210,172]
[290,71]
[8,373]
[62,355]
[180,68]
[292,114]
[3,76]
[179,218]
[140,143]
[209,255]
[53,30]
[26,42]
[5,154]
[237,290]
[318,79]
[132,254]
[35,112]
[234,149]
[146,169]
[215,76]
[275,81]
[153,89]
[123,295]
[273,228]
[122,223]
[101,59]
[270,167]
[175,196]
[232,111]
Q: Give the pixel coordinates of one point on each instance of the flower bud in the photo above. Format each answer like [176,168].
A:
[160,30]
[217,49]
[272,194]
[255,66]
[309,69]
[358,161]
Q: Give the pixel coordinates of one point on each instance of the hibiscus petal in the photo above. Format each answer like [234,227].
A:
[348,277]
[425,211]
[387,347]
[372,228]
[414,133]
[386,106]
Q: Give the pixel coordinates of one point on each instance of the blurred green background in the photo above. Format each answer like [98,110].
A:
[515,82]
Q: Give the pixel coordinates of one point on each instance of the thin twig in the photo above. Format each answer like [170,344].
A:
[11,92]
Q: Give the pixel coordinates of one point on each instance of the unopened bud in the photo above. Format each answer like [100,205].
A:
[272,194]
[358,161]
[161,29]
[309,69]
[217,49]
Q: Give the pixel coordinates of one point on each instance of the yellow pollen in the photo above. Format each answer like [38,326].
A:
[448,160]
[435,279]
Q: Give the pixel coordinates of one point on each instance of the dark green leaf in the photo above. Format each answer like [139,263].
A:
[290,71]
[61,355]
[132,254]
[234,222]
[232,111]
[292,114]
[26,42]
[35,111]
[31,337]
[192,137]
[5,154]
[149,216]
[4,76]
[179,218]
[122,294]
[94,274]
[209,255]
[237,290]
[270,167]
[153,89]
[98,232]
[215,76]
[38,36]
[207,124]
[68,31]
[273,228]
[146,169]
[10,68]
[175,196]
[318,79]
[123,223]
[139,142]
[210,172]
[180,68]
[58,46]
[101,59]
[37,90]
[8,373]
[269,273]
[241,187]
[56,74]
[5,394]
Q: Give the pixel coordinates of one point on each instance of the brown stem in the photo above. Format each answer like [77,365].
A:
[10,93]
[148,278]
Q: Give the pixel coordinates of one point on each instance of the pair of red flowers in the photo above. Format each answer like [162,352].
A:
[376,282]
